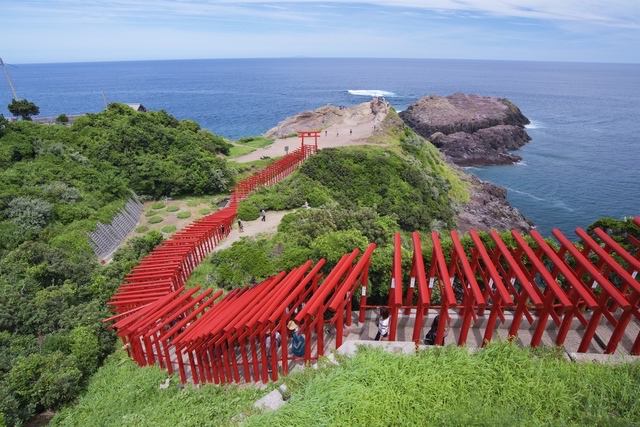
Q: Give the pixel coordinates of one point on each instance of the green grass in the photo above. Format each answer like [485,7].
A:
[204,211]
[193,203]
[169,229]
[142,229]
[158,205]
[255,141]
[150,213]
[173,208]
[155,220]
[123,394]
[183,215]
[502,385]
[237,151]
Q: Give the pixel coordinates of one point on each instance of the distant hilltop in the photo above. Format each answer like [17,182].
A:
[471,130]
[492,121]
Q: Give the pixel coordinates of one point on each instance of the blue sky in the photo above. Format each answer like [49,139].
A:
[40,31]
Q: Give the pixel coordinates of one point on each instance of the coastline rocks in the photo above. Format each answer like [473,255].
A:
[472,130]
[488,209]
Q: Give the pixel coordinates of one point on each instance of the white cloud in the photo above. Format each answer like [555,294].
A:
[616,13]
[150,29]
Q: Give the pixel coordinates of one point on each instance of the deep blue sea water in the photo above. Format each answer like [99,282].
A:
[583,162]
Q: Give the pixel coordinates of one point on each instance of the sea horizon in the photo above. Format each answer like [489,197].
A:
[107,61]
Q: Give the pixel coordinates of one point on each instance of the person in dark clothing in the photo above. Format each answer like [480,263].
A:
[431,336]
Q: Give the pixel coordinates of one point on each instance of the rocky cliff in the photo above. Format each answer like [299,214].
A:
[489,209]
[471,130]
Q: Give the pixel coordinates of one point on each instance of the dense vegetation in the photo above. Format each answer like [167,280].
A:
[502,385]
[56,184]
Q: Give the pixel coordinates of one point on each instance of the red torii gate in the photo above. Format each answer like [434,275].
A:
[161,322]
[169,265]
[535,283]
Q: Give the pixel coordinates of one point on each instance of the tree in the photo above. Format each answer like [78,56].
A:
[23,108]
[62,119]
[3,124]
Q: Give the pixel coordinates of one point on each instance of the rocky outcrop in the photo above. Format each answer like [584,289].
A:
[374,111]
[488,209]
[472,130]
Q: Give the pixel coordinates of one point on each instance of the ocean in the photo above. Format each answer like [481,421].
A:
[583,162]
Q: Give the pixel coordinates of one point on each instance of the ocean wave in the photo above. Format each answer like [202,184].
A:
[539,199]
[561,205]
[371,92]
[535,125]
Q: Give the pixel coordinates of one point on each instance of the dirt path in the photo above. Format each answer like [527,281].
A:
[254,228]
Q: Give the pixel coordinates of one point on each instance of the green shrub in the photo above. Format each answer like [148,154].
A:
[142,229]
[62,119]
[155,220]
[169,229]
[247,211]
[158,205]
[245,262]
[173,208]
[150,213]
[183,215]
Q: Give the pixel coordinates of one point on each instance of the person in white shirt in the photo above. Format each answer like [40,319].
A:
[383,324]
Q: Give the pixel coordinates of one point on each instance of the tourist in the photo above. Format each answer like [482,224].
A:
[306,205]
[431,337]
[263,214]
[297,339]
[240,226]
[383,324]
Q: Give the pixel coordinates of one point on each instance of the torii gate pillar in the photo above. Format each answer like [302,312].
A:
[315,134]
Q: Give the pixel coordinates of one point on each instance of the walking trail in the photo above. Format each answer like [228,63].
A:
[340,127]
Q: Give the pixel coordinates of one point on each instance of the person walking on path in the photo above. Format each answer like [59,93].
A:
[240,226]
[263,214]
[383,324]
[431,336]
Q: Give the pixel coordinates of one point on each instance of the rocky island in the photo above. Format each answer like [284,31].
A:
[471,130]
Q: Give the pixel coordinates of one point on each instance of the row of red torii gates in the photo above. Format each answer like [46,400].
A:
[206,336]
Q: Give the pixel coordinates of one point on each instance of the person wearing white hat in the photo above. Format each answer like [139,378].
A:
[297,339]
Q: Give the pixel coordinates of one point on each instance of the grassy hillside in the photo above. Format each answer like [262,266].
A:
[502,385]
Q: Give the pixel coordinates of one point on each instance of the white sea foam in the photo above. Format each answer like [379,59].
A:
[539,199]
[535,125]
[561,205]
[371,92]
